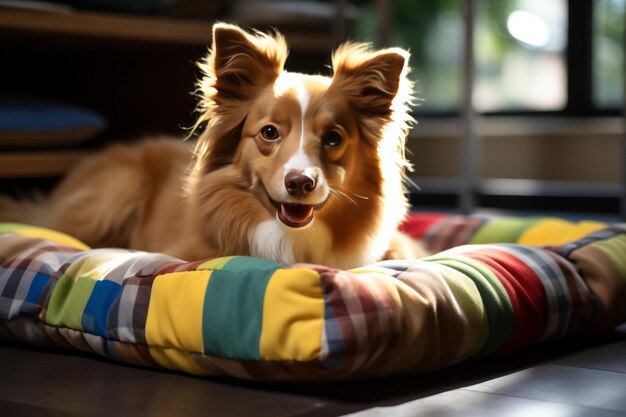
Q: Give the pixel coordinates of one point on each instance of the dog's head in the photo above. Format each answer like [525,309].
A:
[300,139]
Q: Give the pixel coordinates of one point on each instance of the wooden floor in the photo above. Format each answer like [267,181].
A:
[583,377]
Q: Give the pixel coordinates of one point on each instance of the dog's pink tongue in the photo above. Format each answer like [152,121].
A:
[296,213]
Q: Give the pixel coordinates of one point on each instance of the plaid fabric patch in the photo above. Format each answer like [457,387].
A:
[26,281]
[361,319]
[452,232]
[127,320]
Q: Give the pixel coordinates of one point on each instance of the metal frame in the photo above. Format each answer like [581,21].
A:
[623,200]
[468,146]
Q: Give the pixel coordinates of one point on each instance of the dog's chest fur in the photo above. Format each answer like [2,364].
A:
[314,244]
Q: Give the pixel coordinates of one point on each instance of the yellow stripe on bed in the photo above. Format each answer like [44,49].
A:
[175,318]
[553,231]
[293,316]
[42,233]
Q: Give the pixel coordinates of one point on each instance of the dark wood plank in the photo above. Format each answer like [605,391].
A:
[81,385]
[17,409]
[38,164]
[105,25]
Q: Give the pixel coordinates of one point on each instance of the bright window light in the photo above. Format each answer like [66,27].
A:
[528,28]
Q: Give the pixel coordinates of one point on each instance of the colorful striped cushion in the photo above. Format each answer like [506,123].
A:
[256,319]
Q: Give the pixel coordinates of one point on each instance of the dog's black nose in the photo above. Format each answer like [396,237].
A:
[299,184]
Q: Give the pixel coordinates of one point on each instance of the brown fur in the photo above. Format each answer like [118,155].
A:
[161,196]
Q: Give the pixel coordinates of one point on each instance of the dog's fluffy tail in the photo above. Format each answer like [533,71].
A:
[33,210]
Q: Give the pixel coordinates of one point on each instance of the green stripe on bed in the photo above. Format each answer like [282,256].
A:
[506,229]
[68,301]
[233,308]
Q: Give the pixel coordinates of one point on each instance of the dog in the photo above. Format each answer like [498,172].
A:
[291,167]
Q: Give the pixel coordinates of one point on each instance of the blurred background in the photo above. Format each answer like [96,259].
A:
[547,88]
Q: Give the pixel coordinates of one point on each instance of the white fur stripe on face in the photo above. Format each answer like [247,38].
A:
[303,98]
[300,160]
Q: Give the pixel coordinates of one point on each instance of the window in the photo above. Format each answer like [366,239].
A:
[608,53]
[521,53]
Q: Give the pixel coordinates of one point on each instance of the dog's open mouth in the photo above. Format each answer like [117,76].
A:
[294,214]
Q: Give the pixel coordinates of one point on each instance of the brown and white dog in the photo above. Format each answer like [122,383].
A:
[291,167]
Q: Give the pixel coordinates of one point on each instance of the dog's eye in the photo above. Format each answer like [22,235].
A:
[332,138]
[269,132]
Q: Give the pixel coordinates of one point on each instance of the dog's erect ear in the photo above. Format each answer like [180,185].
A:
[371,80]
[235,71]
[240,63]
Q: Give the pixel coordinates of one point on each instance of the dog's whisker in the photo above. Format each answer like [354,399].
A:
[412,183]
[360,196]
[342,194]
[355,194]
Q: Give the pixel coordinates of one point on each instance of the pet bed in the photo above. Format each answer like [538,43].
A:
[256,319]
